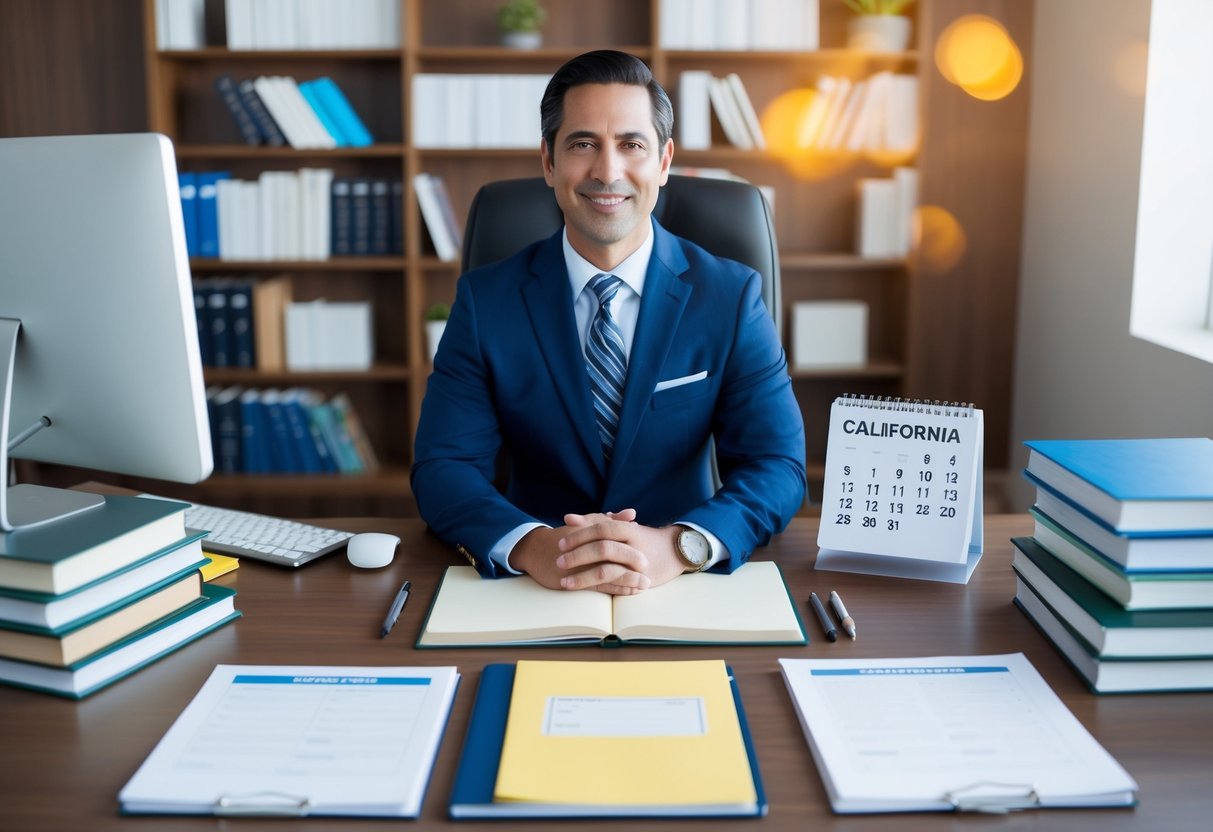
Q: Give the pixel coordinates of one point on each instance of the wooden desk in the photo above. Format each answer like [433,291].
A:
[64,762]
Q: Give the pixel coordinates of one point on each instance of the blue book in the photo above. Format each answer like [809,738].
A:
[1132,485]
[338,439]
[230,93]
[240,324]
[215,322]
[226,429]
[476,777]
[361,216]
[301,434]
[204,333]
[381,217]
[341,212]
[254,433]
[284,453]
[271,133]
[308,91]
[309,403]
[208,212]
[187,184]
[341,112]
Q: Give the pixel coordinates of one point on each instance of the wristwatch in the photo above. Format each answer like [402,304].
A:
[692,548]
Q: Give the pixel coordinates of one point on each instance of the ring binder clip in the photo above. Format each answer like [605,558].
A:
[993,798]
[273,804]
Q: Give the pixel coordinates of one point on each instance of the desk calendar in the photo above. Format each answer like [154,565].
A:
[903,489]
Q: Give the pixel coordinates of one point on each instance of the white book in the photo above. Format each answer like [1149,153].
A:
[343,335]
[833,113]
[907,203]
[238,743]
[675,24]
[732,19]
[429,111]
[829,333]
[815,114]
[968,732]
[869,119]
[745,108]
[901,115]
[226,196]
[183,24]
[694,110]
[279,109]
[432,214]
[876,223]
[238,20]
[300,330]
[843,125]
[317,135]
[810,25]
[728,115]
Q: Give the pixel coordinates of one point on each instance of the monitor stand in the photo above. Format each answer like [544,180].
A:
[23,506]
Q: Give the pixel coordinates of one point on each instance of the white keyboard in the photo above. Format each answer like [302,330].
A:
[273,539]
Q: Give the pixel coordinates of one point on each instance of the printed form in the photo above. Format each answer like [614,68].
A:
[973,732]
[299,740]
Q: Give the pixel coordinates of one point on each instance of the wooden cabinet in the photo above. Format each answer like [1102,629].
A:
[934,333]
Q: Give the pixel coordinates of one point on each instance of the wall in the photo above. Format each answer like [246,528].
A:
[1078,371]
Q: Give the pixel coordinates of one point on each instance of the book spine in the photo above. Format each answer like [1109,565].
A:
[208,212]
[380,217]
[240,323]
[360,216]
[270,132]
[230,95]
[187,186]
[341,212]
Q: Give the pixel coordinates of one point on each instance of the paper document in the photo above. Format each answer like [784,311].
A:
[942,733]
[299,740]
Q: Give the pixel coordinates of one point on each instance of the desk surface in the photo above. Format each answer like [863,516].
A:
[64,762]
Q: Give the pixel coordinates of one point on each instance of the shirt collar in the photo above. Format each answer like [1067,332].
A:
[631,271]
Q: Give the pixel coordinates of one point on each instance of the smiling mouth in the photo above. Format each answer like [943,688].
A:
[606,201]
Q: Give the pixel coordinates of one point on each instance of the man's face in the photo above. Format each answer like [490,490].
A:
[606,167]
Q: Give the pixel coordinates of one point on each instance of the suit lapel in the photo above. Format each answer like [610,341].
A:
[661,308]
[550,308]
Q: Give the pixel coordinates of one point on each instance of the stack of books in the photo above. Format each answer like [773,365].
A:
[89,599]
[1119,571]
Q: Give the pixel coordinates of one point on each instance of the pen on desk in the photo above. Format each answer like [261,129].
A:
[844,617]
[394,612]
[827,623]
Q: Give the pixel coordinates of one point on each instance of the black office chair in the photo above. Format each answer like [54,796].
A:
[729,219]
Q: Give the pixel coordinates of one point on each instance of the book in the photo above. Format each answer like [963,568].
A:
[980,733]
[435,222]
[270,299]
[724,104]
[749,606]
[70,553]
[1139,589]
[583,765]
[745,108]
[271,133]
[208,211]
[225,85]
[1107,674]
[53,612]
[187,187]
[1132,485]
[694,110]
[330,96]
[216,565]
[214,608]
[66,645]
[240,322]
[1132,550]
[301,740]
[1108,627]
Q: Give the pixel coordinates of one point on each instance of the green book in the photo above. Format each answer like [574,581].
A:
[1133,589]
[1109,628]
[139,649]
[1112,675]
[59,557]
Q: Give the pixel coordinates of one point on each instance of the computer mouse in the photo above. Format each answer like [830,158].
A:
[371,550]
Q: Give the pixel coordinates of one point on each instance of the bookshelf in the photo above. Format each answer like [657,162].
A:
[936,334]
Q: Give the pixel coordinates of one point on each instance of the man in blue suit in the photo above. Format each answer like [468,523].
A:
[605,359]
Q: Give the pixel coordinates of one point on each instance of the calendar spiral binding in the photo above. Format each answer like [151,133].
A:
[894,403]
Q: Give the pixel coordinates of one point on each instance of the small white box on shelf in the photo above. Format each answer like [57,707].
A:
[329,336]
[829,333]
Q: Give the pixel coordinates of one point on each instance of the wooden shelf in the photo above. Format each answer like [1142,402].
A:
[213,54]
[838,261]
[386,482]
[253,378]
[385,150]
[547,56]
[333,264]
[882,60]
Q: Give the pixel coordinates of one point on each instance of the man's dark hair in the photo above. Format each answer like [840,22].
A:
[603,66]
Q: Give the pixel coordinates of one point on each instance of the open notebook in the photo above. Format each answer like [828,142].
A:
[749,606]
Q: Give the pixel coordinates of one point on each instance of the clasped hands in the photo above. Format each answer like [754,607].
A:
[609,552]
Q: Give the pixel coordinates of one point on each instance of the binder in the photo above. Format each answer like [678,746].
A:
[476,777]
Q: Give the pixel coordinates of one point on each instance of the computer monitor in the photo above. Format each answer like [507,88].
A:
[99,361]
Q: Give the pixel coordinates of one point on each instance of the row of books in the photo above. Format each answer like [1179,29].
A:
[700,94]
[884,219]
[740,25]
[468,110]
[276,110]
[278,24]
[878,114]
[294,431]
[1118,573]
[308,214]
[241,321]
[89,599]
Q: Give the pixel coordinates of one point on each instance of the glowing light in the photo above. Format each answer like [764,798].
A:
[939,239]
[976,53]
[781,123]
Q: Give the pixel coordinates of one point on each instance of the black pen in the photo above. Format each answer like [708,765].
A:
[394,612]
[827,623]
[844,618]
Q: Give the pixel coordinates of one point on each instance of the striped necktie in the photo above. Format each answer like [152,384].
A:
[607,362]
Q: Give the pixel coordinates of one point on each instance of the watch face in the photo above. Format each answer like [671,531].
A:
[694,547]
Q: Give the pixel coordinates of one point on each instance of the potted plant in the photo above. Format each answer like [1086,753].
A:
[520,22]
[879,25]
[435,325]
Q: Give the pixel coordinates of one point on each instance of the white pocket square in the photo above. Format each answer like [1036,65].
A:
[678,382]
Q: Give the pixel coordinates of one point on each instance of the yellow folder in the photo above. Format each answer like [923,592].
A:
[611,733]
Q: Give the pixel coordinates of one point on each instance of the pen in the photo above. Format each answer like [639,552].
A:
[827,623]
[848,623]
[394,612]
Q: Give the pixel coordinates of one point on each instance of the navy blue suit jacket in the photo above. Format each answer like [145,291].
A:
[510,372]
